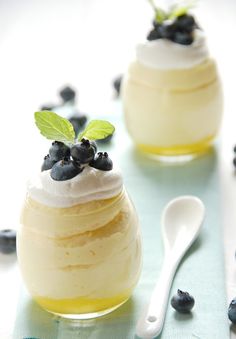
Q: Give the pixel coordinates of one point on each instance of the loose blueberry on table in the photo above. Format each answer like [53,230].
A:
[78,121]
[232,311]
[7,241]
[67,94]
[234,159]
[182,302]
[117,84]
[234,162]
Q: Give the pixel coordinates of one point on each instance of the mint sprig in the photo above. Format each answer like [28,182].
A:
[181,8]
[54,127]
[97,129]
[160,15]
[178,9]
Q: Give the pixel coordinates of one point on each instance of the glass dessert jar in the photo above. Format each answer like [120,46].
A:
[79,244]
[81,261]
[172,96]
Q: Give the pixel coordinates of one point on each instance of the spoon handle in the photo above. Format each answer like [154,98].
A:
[151,322]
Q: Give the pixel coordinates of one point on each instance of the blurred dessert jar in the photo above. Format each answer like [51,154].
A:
[79,245]
[172,96]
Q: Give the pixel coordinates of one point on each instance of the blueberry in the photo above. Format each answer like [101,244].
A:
[186,22]
[67,94]
[234,162]
[65,170]
[167,31]
[183,38]
[154,34]
[7,241]
[59,151]
[182,302]
[234,149]
[47,107]
[83,152]
[102,162]
[105,140]
[78,121]
[156,24]
[47,163]
[94,145]
[232,311]
[179,31]
[117,83]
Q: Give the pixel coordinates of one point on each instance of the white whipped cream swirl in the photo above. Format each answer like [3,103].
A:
[91,184]
[164,54]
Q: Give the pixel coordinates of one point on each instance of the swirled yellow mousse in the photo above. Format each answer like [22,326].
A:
[79,245]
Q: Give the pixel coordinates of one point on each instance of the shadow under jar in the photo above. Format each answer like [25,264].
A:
[83,261]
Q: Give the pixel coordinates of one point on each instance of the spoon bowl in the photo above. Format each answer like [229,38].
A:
[181,223]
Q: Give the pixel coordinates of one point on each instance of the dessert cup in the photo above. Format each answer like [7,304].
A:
[172,97]
[82,261]
[79,244]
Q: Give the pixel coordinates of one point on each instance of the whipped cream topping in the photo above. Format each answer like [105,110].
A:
[91,184]
[165,54]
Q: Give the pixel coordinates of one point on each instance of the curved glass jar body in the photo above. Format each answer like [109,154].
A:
[173,112]
[83,261]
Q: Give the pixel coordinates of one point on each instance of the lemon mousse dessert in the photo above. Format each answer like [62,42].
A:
[171,94]
[79,246]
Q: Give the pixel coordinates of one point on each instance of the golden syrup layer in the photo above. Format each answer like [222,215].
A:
[175,150]
[81,305]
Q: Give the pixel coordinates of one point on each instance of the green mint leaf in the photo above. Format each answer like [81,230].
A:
[160,15]
[181,8]
[178,12]
[97,129]
[54,127]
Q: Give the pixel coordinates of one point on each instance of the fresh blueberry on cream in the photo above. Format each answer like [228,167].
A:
[65,169]
[59,151]
[102,162]
[83,152]
[48,162]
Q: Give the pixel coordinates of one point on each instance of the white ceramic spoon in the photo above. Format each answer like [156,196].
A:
[181,222]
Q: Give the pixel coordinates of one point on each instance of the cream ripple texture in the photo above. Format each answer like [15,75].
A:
[176,109]
[90,251]
[91,184]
